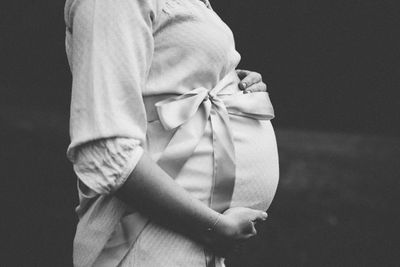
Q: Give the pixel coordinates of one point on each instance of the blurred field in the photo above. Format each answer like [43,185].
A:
[336,204]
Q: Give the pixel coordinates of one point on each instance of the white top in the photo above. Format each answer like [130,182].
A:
[124,53]
[122,50]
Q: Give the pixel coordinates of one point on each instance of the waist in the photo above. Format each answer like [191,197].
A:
[228,85]
[189,113]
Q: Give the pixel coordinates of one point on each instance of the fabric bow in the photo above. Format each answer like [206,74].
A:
[188,114]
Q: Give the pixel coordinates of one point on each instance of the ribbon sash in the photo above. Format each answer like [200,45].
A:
[189,113]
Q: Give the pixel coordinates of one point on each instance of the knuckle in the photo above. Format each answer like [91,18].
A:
[253,75]
[263,87]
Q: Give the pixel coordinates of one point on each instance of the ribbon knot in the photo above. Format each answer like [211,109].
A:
[211,95]
[189,113]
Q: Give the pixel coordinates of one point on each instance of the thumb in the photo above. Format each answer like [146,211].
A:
[260,216]
[251,230]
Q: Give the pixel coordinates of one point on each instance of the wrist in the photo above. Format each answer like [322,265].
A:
[216,229]
[224,227]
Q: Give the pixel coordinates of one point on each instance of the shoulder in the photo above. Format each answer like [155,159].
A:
[151,8]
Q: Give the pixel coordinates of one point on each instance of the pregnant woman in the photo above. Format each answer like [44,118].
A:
[175,163]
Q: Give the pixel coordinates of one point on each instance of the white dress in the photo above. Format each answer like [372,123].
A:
[216,142]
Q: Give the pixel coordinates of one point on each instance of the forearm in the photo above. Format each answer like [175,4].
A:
[156,194]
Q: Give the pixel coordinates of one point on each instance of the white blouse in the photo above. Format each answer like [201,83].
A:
[125,56]
[104,165]
[121,51]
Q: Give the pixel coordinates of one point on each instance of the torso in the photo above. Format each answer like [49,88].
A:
[189,29]
[194,48]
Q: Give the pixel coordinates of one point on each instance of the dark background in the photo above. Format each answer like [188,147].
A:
[333,71]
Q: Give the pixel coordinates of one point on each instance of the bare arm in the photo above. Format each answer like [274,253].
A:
[148,187]
[154,193]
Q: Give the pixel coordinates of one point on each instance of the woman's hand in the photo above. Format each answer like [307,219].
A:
[234,226]
[251,81]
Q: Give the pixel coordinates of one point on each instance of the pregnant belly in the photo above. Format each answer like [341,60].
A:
[257,169]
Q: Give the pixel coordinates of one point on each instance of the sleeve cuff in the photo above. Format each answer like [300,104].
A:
[131,164]
[105,165]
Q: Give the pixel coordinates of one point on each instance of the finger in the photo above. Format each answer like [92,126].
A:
[242,73]
[254,230]
[258,87]
[251,232]
[260,216]
[250,79]
[250,226]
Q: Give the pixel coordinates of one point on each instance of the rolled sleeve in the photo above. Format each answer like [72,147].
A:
[104,165]
[110,47]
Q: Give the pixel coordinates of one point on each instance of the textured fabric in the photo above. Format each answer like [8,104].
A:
[122,54]
[104,165]
[189,112]
[110,54]
[99,175]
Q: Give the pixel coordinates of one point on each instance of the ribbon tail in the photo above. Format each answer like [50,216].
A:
[255,105]
[184,142]
[224,160]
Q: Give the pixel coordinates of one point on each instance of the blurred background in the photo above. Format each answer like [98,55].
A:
[333,71]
